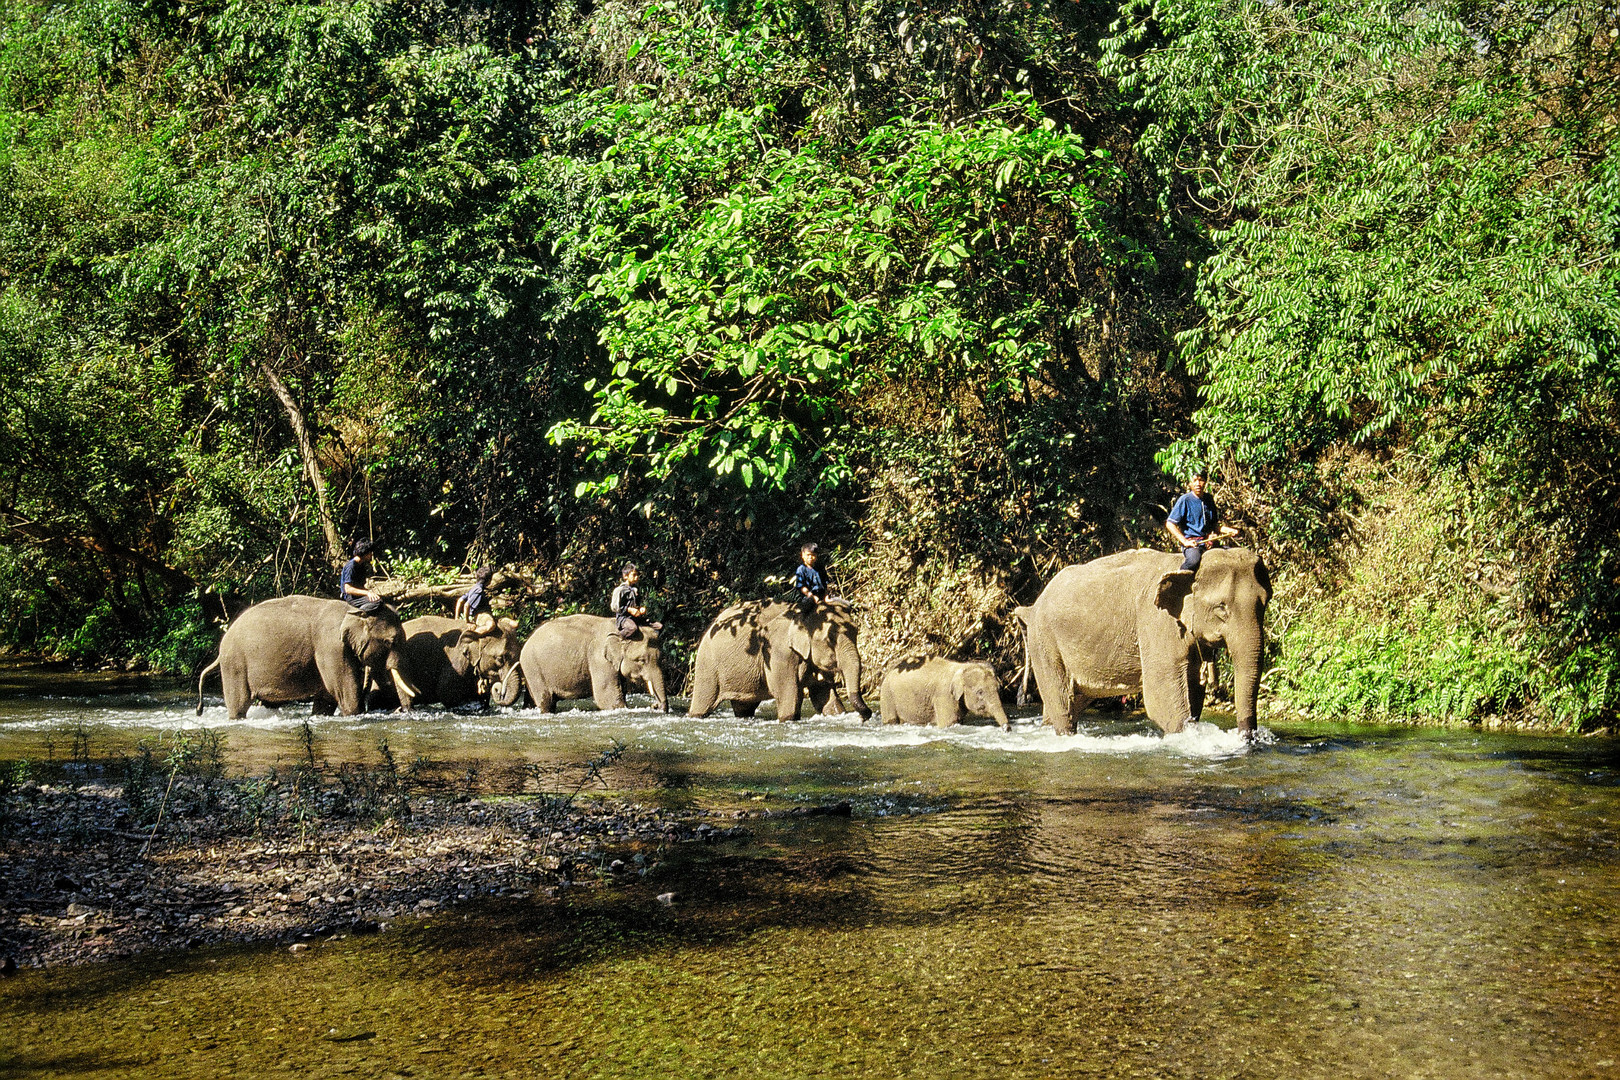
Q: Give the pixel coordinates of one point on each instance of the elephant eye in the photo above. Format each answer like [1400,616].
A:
[1219,608]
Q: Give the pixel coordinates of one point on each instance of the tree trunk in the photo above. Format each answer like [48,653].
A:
[335,552]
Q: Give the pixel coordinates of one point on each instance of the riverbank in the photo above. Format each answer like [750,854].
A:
[83,883]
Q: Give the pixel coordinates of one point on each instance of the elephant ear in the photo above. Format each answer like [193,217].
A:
[798,636]
[355,631]
[613,649]
[959,682]
[1173,590]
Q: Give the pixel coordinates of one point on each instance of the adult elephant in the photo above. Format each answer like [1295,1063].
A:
[764,649]
[449,660]
[580,656]
[304,648]
[937,691]
[1135,622]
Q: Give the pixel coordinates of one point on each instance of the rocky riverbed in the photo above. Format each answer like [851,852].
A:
[84,879]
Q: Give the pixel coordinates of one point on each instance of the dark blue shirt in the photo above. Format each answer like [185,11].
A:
[353,574]
[1195,516]
[476,600]
[625,597]
[808,577]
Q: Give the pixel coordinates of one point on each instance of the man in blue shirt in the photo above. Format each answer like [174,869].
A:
[807,580]
[352,582]
[1195,522]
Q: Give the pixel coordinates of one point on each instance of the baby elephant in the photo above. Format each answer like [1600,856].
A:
[937,690]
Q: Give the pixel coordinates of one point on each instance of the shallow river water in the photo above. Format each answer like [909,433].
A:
[1332,902]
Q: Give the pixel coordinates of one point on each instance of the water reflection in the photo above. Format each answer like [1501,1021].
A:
[1341,902]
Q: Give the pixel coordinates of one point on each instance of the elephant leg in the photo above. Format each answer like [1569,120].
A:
[706,693]
[1195,691]
[544,700]
[1053,681]
[323,705]
[783,680]
[1078,704]
[891,712]
[820,694]
[744,709]
[607,690]
[1165,692]
[233,683]
[947,710]
[832,706]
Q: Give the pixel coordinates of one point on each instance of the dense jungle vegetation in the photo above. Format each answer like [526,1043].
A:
[957,289]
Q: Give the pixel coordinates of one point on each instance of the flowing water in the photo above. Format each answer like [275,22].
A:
[1332,902]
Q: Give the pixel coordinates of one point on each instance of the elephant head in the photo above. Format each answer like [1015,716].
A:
[490,648]
[375,637]
[640,660]
[1225,604]
[979,690]
[824,638]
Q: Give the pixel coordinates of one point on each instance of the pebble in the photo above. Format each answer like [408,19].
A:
[300,947]
[666,898]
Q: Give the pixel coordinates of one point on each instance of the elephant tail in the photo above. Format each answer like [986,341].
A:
[210,669]
[1023,614]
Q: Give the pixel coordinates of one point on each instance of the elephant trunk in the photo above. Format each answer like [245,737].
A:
[849,662]
[506,693]
[655,686]
[1246,679]
[998,711]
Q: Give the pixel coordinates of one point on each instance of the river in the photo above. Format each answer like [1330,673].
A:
[1334,901]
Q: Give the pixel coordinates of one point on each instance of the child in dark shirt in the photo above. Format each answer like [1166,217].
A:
[808,582]
[352,582]
[626,603]
[475,601]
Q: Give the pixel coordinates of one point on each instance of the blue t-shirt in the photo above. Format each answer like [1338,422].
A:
[808,577]
[476,600]
[1195,516]
[353,574]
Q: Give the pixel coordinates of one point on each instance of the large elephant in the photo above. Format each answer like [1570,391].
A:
[304,648]
[1135,622]
[447,659]
[936,691]
[580,655]
[763,649]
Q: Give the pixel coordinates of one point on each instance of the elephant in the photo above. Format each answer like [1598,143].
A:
[448,659]
[1136,622]
[578,655]
[304,648]
[768,649]
[938,690]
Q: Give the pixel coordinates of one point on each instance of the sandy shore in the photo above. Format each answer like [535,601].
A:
[84,880]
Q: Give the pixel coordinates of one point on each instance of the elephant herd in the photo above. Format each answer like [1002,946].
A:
[1131,623]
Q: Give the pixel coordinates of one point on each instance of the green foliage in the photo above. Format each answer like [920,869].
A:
[745,326]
